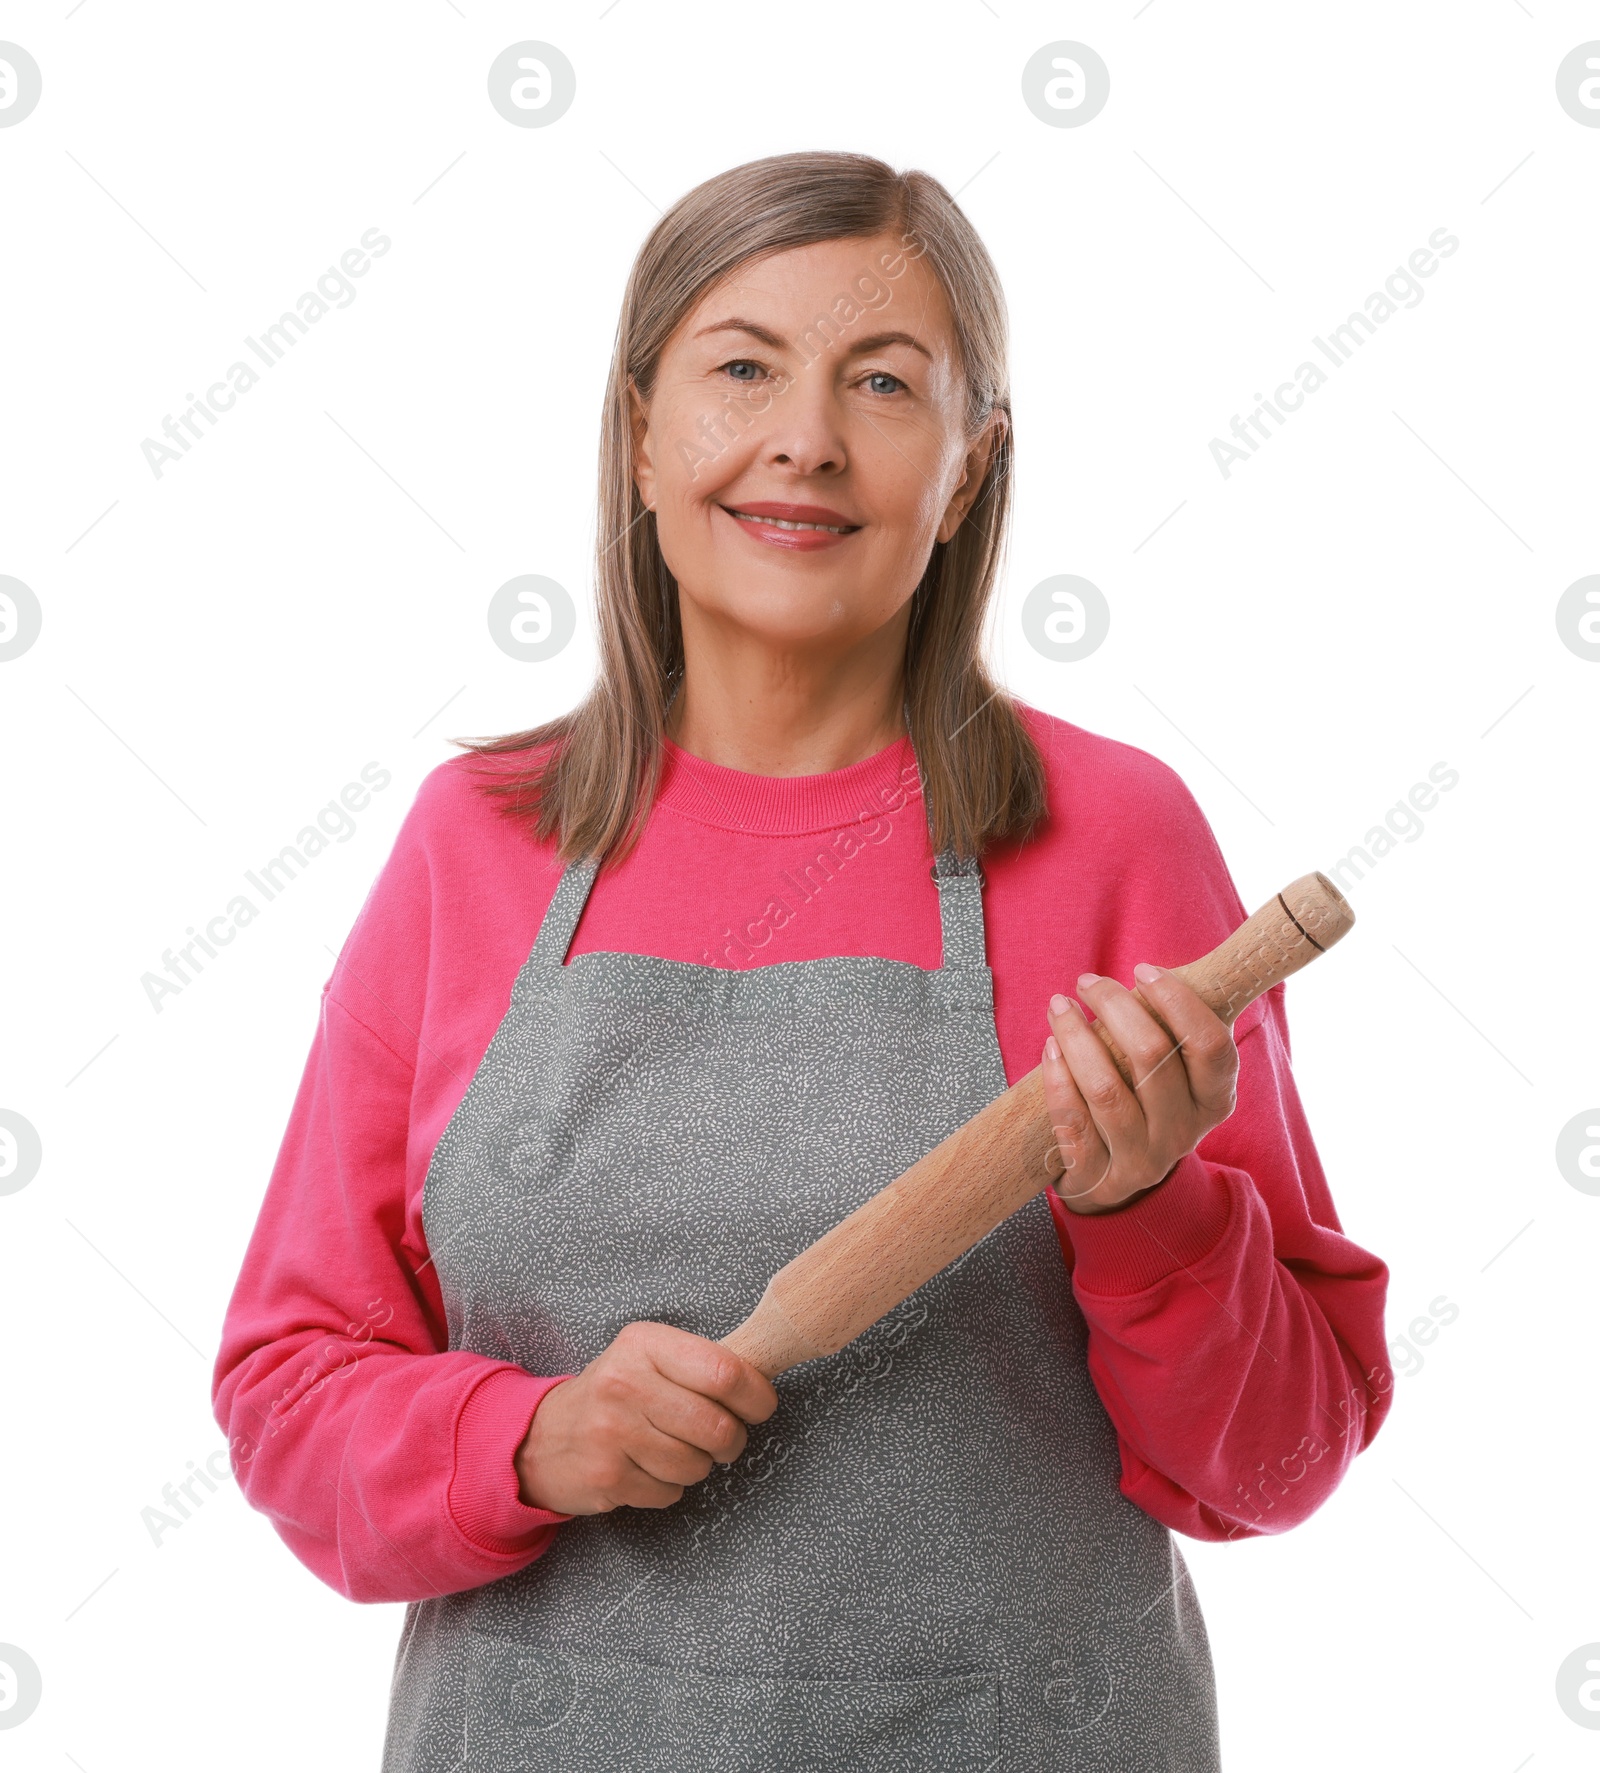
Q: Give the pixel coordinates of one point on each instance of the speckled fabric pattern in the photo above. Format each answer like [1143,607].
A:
[922,1561]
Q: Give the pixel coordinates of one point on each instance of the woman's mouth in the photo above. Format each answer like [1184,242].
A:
[803,527]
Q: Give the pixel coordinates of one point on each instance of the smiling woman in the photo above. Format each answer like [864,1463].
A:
[570,1107]
[813,323]
[888,407]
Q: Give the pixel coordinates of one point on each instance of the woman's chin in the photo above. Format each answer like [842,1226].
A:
[786,622]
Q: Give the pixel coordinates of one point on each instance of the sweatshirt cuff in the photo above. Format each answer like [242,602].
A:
[1174,1225]
[493,1424]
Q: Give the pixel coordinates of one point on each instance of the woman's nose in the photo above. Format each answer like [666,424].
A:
[804,428]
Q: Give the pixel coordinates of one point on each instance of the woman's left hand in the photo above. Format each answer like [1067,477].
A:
[1116,1142]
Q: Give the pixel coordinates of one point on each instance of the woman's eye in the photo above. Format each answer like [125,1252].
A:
[742,363]
[882,375]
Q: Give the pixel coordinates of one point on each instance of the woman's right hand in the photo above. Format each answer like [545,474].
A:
[649,1415]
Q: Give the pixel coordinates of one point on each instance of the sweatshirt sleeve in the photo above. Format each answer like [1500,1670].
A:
[383,1458]
[1235,1335]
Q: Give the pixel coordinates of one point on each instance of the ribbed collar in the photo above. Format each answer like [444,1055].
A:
[782,806]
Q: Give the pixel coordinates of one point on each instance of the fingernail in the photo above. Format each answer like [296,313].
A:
[1058,1004]
[1087,979]
[1051,1051]
[1145,973]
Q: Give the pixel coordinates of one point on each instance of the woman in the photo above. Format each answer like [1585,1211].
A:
[633,1092]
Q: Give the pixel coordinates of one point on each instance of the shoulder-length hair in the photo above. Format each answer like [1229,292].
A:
[593,772]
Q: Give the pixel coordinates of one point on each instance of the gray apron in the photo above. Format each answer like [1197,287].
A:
[921,1563]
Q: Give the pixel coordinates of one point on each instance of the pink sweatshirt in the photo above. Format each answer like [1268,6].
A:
[1236,1336]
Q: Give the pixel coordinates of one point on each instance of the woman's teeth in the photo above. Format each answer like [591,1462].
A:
[833,529]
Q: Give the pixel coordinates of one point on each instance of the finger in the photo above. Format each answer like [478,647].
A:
[695,1420]
[665,1458]
[1084,1157]
[715,1372]
[1210,1057]
[1159,1079]
[1116,1111]
[637,1488]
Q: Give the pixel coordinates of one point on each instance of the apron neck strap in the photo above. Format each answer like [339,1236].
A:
[960,884]
[561,917]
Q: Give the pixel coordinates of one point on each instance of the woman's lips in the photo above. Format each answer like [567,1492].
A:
[800,528]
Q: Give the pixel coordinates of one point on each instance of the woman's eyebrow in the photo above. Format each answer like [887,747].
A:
[770,338]
[879,339]
[756,332]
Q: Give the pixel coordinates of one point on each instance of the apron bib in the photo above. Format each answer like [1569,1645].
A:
[921,1563]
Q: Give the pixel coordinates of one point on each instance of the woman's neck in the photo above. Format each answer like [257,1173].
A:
[787,733]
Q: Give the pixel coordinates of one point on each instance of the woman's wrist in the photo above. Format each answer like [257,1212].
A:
[525,1461]
[486,1499]
[1087,1208]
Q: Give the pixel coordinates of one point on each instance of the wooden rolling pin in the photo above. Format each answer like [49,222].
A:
[955,1195]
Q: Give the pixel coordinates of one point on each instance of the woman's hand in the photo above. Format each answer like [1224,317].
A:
[649,1415]
[1116,1142]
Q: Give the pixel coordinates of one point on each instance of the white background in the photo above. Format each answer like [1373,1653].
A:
[224,647]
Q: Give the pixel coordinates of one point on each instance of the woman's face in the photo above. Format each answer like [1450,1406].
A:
[819,386]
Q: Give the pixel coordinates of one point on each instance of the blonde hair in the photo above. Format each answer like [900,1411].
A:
[597,766]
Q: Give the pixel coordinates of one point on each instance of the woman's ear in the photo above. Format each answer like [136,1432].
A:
[644,473]
[982,448]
